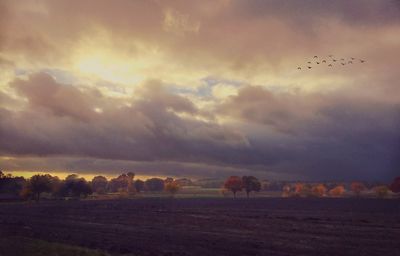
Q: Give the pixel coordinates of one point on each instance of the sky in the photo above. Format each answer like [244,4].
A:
[201,88]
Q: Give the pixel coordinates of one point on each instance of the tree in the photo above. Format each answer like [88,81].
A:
[381,191]
[286,190]
[39,184]
[121,183]
[337,191]
[75,187]
[10,184]
[139,185]
[395,186]
[357,187]
[234,184]
[172,187]
[130,188]
[81,188]
[319,190]
[99,184]
[168,180]
[154,184]
[250,183]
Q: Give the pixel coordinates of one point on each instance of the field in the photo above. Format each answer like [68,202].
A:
[203,226]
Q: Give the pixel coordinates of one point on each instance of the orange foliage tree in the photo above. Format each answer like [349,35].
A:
[319,190]
[357,187]
[234,184]
[395,186]
[286,190]
[172,187]
[298,189]
[381,191]
[337,191]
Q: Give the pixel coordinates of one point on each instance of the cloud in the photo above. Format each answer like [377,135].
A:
[210,83]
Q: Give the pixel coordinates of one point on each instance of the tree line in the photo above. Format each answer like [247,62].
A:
[252,184]
[74,186]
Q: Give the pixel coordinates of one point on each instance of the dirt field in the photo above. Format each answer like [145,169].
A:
[259,226]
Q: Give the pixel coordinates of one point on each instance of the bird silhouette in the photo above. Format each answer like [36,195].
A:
[352,58]
[309,67]
[342,59]
[317,62]
[323,61]
[309,62]
[330,65]
[362,61]
[299,68]
[350,62]
[315,56]
[343,63]
[334,60]
[331,55]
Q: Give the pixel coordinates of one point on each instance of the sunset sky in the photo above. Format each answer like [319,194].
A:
[201,88]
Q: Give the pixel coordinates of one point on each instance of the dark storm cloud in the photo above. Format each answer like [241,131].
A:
[323,134]
[315,135]
[60,121]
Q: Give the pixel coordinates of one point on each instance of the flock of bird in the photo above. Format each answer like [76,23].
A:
[330,61]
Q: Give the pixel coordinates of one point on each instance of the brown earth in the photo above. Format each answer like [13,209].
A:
[258,226]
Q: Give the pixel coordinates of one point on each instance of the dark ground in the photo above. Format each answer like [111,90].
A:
[259,226]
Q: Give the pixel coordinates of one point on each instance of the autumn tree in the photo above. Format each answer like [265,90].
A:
[130,188]
[99,184]
[319,190]
[381,191]
[234,184]
[139,185]
[286,190]
[357,187]
[337,191]
[154,184]
[119,184]
[395,186]
[250,183]
[172,187]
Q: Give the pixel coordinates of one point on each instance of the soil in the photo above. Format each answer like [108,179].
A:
[213,226]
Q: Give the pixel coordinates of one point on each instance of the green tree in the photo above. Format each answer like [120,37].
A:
[250,183]
[139,185]
[39,184]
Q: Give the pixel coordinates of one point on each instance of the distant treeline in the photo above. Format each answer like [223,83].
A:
[302,189]
[74,186]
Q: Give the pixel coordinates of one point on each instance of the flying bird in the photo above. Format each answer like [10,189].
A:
[309,62]
[309,67]
[350,62]
[315,56]
[299,68]
[331,55]
[334,60]
[343,63]
[352,58]
[330,65]
[342,59]
[317,62]
[323,61]
[362,61]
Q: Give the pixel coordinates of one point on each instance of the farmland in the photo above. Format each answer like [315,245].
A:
[208,226]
